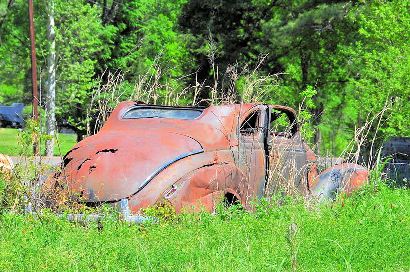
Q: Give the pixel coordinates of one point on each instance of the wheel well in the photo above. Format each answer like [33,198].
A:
[230,199]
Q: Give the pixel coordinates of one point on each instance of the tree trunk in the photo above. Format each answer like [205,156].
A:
[304,67]
[51,81]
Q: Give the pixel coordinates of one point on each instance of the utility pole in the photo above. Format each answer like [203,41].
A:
[33,71]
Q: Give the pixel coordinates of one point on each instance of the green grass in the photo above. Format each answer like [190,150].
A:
[367,232]
[9,144]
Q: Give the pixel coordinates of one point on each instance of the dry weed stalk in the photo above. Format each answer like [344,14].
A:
[354,149]
[255,87]
[104,98]
[152,88]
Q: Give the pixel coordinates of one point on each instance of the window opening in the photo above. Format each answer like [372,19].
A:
[251,124]
[281,125]
[163,112]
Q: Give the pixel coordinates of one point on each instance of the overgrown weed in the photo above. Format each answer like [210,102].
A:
[365,231]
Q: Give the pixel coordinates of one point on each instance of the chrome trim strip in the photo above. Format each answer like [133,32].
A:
[164,166]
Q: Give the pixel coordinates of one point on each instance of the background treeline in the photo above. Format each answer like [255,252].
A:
[343,61]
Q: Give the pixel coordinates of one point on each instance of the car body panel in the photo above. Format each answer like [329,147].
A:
[109,167]
[194,162]
[343,177]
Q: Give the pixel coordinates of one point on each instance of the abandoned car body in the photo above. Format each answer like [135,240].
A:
[195,157]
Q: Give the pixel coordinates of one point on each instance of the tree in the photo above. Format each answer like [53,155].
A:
[379,64]
[304,38]
[148,43]
[300,38]
[339,56]
[14,52]
[51,81]
[80,40]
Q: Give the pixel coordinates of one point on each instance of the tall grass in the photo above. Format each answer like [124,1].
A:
[368,231]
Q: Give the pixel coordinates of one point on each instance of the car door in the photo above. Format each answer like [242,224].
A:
[251,157]
[287,163]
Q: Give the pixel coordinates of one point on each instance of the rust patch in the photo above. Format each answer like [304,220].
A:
[110,150]
[92,167]
[81,164]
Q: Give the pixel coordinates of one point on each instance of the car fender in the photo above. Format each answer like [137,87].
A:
[345,177]
[190,168]
[205,187]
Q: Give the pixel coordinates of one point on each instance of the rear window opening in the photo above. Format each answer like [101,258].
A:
[163,112]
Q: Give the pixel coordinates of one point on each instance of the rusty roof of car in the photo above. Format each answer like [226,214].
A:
[212,129]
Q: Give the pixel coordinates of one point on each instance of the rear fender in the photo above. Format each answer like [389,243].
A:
[345,177]
[180,172]
[201,189]
[205,187]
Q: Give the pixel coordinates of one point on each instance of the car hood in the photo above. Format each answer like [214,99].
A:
[111,166]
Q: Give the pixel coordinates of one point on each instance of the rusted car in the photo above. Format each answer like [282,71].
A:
[194,157]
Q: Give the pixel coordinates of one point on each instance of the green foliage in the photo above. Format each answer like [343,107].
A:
[152,40]
[305,116]
[381,63]
[163,211]
[3,192]
[368,231]
[14,54]
[28,136]
[150,51]
[281,123]
[256,87]
[9,93]
[9,193]
[14,185]
[80,40]
[298,40]
[354,55]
